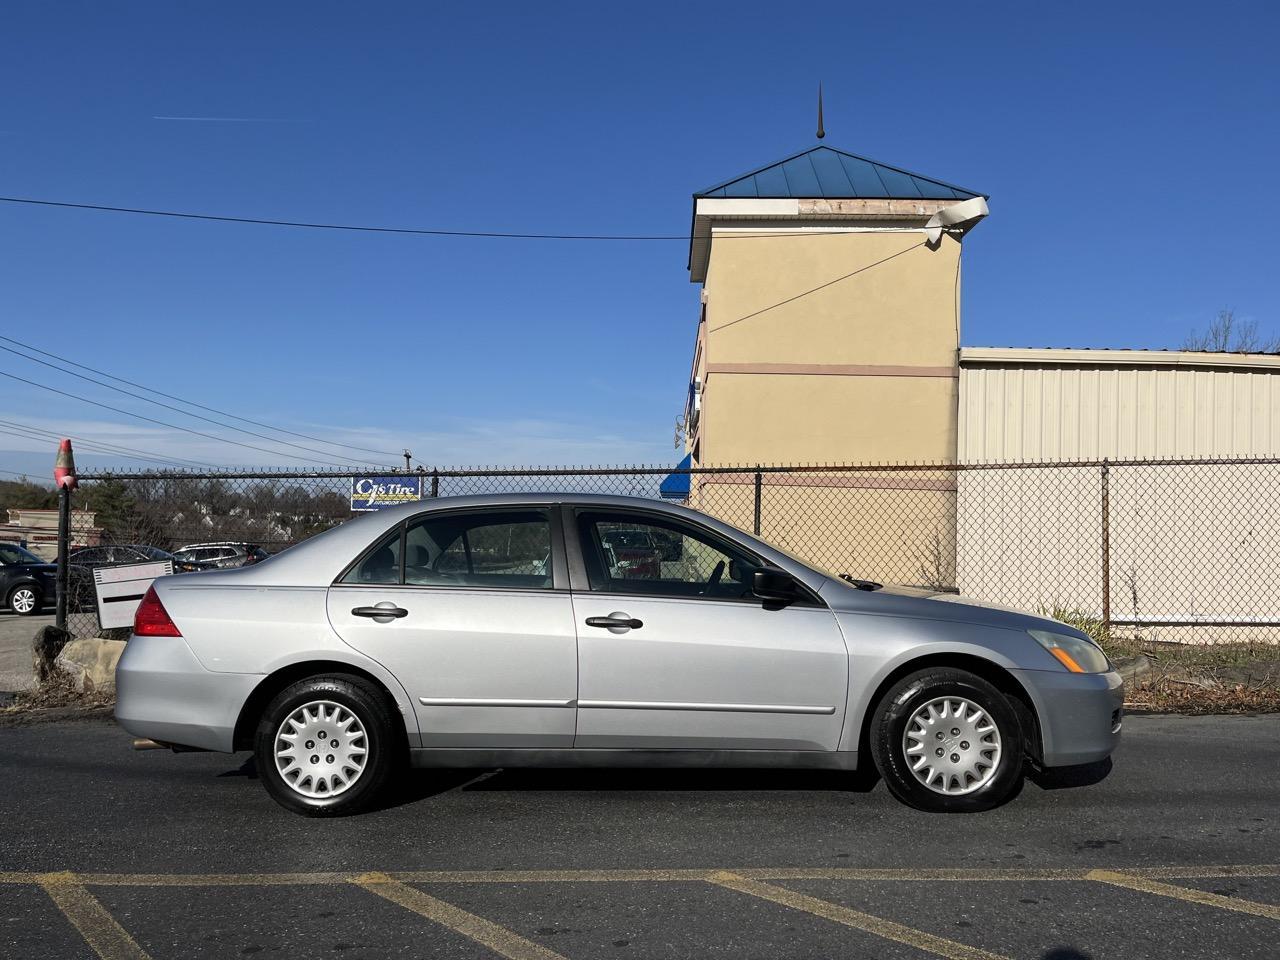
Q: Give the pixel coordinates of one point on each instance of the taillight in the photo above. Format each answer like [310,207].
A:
[152,619]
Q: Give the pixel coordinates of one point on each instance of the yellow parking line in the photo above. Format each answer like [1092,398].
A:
[852,918]
[1205,873]
[907,873]
[1187,894]
[213,879]
[548,876]
[100,930]
[497,938]
[646,875]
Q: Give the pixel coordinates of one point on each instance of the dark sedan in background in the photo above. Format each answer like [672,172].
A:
[26,581]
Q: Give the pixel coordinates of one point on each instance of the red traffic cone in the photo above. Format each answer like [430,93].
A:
[64,468]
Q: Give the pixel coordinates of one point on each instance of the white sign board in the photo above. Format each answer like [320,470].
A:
[121,589]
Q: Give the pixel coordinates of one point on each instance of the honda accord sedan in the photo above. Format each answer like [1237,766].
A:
[503,631]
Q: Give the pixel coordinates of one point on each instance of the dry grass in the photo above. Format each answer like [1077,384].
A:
[56,698]
[1190,677]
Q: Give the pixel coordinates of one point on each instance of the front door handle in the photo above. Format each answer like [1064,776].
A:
[384,612]
[615,622]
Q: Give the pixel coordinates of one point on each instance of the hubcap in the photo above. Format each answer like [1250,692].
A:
[952,745]
[24,601]
[321,749]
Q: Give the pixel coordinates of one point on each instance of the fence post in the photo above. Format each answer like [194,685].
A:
[1106,546]
[756,525]
[64,547]
[435,483]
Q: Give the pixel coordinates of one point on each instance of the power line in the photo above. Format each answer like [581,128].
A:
[103,446]
[139,416]
[422,232]
[192,403]
[167,406]
[86,446]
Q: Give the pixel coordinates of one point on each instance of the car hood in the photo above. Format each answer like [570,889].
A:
[900,601]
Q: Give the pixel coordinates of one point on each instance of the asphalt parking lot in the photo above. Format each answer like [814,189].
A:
[111,853]
[15,648]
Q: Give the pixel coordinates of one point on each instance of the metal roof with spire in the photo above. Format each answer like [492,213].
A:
[823,172]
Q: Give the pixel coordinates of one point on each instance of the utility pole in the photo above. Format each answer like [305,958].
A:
[408,466]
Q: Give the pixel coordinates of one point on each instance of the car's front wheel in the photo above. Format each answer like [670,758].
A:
[25,600]
[326,746]
[946,740]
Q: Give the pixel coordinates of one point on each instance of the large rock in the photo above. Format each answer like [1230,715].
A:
[46,646]
[91,664]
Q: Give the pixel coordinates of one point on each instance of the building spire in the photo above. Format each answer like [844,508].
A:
[821,133]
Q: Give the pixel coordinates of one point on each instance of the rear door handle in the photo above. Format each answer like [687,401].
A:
[615,622]
[384,612]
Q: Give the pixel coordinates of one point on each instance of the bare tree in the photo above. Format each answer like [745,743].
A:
[1226,334]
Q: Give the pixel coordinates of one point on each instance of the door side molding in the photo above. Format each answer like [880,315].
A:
[706,707]
[490,702]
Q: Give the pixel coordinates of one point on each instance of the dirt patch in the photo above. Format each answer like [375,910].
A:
[57,699]
[1234,678]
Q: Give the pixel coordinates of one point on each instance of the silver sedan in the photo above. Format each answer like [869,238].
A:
[582,630]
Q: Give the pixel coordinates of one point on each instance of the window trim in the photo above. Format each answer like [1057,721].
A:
[559,564]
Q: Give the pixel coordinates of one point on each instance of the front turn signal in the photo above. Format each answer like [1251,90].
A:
[1075,653]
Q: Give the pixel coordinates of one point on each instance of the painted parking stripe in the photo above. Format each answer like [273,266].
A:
[1187,894]
[852,918]
[100,930]
[996,874]
[499,939]
[646,875]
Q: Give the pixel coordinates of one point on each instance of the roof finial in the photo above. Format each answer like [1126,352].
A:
[821,133]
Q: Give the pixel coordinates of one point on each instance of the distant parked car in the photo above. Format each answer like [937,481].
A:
[115,554]
[636,552]
[26,581]
[224,555]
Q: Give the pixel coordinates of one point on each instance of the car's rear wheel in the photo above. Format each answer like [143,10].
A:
[946,740]
[326,746]
[25,600]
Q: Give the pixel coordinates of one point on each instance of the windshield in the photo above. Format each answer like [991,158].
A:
[12,553]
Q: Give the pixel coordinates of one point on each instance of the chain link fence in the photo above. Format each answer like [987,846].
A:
[1175,549]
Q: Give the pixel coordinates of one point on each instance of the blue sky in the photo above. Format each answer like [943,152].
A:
[1129,151]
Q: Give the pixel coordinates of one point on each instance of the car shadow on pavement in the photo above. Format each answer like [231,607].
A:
[639,779]
[1064,778]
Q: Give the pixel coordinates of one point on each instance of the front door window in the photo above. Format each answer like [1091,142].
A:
[657,556]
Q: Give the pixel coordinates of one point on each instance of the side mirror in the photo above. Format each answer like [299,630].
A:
[774,586]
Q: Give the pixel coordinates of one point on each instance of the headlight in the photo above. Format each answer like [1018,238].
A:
[1077,655]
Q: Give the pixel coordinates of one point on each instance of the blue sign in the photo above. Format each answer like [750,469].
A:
[375,493]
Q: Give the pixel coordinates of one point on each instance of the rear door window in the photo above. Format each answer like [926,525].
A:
[500,549]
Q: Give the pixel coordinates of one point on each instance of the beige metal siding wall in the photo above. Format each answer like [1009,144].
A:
[1038,413]
[1165,522]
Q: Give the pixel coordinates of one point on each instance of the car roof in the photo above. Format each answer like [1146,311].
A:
[320,559]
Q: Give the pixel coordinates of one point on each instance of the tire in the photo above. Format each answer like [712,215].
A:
[338,715]
[988,750]
[26,599]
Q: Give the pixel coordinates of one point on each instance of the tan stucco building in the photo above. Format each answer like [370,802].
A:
[830,298]
[830,334]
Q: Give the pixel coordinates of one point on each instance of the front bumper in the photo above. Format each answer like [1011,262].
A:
[164,693]
[1080,714]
